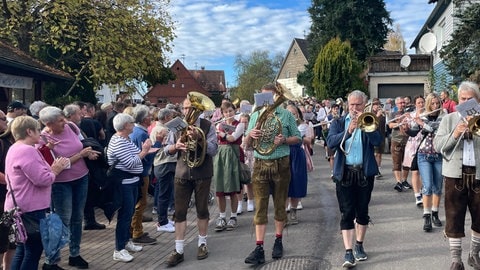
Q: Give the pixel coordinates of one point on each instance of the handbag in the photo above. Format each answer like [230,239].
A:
[12,221]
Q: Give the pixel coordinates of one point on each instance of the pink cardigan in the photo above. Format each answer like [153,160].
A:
[30,177]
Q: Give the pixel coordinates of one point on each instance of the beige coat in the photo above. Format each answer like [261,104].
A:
[453,168]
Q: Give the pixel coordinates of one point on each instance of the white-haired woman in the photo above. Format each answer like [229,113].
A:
[127,158]
[69,192]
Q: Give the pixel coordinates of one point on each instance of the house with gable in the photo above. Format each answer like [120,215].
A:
[294,63]
[441,23]
[175,91]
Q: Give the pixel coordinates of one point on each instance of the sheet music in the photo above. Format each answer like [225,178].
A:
[469,107]
[246,108]
[228,128]
[263,99]
[176,124]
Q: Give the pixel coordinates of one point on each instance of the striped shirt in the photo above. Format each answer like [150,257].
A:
[124,150]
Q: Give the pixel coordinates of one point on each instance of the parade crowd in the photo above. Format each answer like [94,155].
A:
[112,157]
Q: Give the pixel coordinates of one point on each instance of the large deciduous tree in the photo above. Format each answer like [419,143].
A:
[99,42]
[365,23]
[254,71]
[336,70]
[462,52]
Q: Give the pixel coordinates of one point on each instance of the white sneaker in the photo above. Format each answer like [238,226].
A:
[169,227]
[299,205]
[288,207]
[122,256]
[239,208]
[250,206]
[130,246]
[171,222]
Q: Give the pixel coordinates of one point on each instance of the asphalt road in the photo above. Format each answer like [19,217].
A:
[394,241]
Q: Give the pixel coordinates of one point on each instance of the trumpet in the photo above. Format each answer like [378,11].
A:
[367,122]
[473,126]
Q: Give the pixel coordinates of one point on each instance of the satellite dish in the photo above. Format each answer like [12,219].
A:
[405,61]
[428,42]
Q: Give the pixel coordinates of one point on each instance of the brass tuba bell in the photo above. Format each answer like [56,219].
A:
[200,103]
[236,102]
[474,125]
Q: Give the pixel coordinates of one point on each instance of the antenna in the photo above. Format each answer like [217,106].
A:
[428,42]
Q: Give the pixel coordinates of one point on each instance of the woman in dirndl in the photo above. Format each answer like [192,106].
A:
[298,167]
[226,166]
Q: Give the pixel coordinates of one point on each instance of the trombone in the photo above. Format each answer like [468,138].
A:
[367,122]
[473,125]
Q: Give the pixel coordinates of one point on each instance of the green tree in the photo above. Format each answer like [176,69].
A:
[462,52]
[254,71]
[365,23]
[336,70]
[98,42]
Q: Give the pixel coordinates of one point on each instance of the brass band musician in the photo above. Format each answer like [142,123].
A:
[462,178]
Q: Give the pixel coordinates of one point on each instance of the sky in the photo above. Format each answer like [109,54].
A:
[211,33]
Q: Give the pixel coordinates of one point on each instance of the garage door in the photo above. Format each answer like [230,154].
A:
[395,90]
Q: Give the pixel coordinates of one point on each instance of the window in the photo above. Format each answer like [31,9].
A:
[183,85]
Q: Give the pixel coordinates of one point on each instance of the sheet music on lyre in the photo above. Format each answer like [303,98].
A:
[176,124]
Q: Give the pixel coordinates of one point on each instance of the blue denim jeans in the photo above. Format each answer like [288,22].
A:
[165,174]
[68,199]
[125,214]
[28,255]
[430,168]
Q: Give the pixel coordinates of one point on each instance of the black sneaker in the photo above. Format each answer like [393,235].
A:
[406,185]
[427,225]
[78,262]
[349,260]
[435,220]
[398,187]
[51,267]
[277,251]
[256,257]
[94,226]
[359,253]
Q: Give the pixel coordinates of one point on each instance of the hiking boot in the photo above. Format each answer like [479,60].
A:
[232,224]
[474,261]
[202,252]
[406,185]
[349,261]
[398,187]
[435,220]
[457,266]
[277,251]
[78,262]
[359,253]
[174,258]
[220,224]
[122,256]
[144,239]
[256,257]
[427,225]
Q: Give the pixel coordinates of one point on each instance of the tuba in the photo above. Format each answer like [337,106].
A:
[269,123]
[200,103]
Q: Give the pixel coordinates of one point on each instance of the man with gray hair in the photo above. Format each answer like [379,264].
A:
[164,170]
[143,119]
[354,172]
[461,160]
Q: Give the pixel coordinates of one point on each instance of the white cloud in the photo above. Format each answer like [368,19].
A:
[211,32]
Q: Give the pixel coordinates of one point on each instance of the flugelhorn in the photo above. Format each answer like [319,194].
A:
[200,103]
[367,122]
[473,126]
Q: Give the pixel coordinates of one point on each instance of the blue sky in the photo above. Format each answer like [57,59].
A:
[210,33]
